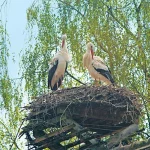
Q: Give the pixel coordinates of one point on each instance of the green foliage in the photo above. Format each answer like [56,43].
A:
[10,98]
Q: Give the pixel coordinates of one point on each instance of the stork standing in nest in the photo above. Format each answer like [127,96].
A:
[96,66]
[58,66]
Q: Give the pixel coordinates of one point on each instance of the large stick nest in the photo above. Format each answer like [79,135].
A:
[102,109]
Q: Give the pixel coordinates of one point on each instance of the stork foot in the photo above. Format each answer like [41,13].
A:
[96,83]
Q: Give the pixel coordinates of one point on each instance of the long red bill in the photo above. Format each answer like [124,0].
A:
[63,43]
[92,53]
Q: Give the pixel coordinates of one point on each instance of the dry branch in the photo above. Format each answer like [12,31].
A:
[117,138]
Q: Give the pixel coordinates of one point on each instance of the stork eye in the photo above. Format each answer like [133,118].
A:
[91,46]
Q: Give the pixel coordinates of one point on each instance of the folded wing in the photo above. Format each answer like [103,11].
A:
[100,66]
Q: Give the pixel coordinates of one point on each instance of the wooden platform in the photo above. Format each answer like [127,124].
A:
[80,117]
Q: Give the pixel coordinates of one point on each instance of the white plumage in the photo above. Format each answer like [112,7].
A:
[96,66]
[58,66]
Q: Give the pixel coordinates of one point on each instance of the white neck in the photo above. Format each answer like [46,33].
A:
[87,59]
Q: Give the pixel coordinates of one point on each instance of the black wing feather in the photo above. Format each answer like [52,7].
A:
[105,73]
[51,74]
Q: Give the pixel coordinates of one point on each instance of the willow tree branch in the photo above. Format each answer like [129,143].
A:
[144,103]
[139,32]
[66,3]
[11,136]
[137,8]
[99,43]
[74,78]
[119,22]
[14,141]
[5,1]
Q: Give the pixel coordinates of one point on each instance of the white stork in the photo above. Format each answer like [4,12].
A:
[58,66]
[96,66]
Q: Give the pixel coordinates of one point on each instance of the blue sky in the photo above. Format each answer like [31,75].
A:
[14,12]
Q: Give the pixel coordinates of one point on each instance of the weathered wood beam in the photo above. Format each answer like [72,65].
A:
[77,126]
[68,136]
[59,139]
[47,145]
[59,131]
[139,145]
[81,140]
[89,145]
[117,138]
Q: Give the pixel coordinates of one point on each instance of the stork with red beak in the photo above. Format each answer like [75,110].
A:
[96,66]
[58,66]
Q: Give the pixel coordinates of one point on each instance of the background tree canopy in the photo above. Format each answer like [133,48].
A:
[10,97]
[119,29]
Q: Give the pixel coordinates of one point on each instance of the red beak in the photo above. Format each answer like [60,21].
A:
[63,43]
[92,53]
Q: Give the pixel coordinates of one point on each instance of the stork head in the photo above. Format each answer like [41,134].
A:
[90,48]
[64,37]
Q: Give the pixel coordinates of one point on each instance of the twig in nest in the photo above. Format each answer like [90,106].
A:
[63,113]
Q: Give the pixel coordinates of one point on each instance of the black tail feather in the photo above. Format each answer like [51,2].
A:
[51,74]
[106,74]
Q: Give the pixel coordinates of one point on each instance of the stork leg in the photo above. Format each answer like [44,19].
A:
[96,83]
[60,81]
